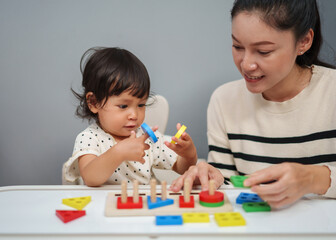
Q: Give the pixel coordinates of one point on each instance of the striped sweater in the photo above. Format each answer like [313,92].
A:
[247,133]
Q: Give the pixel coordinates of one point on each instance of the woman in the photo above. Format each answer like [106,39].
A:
[277,124]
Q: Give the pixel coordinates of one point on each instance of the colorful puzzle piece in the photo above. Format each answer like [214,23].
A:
[238,181]
[67,216]
[149,131]
[183,204]
[195,217]
[130,204]
[79,203]
[179,132]
[169,220]
[206,204]
[248,197]
[229,219]
[204,196]
[256,207]
[159,202]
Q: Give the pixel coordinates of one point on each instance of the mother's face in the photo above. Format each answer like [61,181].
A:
[265,56]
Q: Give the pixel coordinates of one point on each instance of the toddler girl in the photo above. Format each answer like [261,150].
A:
[116,87]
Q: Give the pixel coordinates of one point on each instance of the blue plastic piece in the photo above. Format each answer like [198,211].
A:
[248,197]
[169,220]
[149,131]
[159,202]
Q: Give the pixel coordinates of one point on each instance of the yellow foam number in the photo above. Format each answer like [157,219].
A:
[179,133]
[229,219]
[195,217]
[79,203]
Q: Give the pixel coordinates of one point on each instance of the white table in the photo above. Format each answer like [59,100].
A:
[29,212]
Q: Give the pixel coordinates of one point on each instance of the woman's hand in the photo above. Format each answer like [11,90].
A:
[289,182]
[199,174]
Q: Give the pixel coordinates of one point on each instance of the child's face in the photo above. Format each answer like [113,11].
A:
[121,114]
[264,55]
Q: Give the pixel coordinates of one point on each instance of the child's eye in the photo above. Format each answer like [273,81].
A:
[142,105]
[122,106]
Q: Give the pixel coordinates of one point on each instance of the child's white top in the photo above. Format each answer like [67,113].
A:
[94,140]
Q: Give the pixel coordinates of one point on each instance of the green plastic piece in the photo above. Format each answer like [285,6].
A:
[256,207]
[217,204]
[238,181]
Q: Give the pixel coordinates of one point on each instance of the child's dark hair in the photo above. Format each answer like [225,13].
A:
[296,15]
[107,72]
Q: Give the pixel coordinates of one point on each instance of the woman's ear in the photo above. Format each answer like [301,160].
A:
[92,102]
[306,42]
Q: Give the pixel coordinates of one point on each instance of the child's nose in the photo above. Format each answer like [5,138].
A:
[133,115]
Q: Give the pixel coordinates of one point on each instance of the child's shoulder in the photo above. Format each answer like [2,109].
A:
[92,128]
[92,131]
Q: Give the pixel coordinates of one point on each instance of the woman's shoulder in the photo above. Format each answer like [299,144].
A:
[321,71]
[229,89]
[324,77]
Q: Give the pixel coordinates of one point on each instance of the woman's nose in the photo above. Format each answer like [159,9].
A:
[248,63]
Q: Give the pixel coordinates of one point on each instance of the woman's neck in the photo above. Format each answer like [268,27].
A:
[291,86]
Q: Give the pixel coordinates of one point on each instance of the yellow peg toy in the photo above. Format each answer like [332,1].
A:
[179,133]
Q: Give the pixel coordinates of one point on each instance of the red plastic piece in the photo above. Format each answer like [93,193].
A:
[206,197]
[184,204]
[69,215]
[129,204]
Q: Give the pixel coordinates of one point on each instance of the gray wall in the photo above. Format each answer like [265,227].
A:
[185,45]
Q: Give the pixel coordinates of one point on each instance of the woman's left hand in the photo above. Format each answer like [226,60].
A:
[285,183]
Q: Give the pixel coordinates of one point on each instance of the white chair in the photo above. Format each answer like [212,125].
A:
[157,112]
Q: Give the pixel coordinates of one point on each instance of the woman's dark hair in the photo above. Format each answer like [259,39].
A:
[296,15]
[107,72]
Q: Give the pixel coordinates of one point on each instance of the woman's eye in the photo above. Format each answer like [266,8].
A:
[237,47]
[264,52]
[122,106]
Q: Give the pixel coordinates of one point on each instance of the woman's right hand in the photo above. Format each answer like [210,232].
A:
[199,174]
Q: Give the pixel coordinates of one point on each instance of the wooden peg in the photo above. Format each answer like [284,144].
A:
[153,190]
[123,191]
[212,188]
[135,191]
[186,190]
[163,190]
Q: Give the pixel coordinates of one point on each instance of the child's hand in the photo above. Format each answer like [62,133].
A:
[133,148]
[183,146]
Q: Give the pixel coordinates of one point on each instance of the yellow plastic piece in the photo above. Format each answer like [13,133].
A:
[195,217]
[228,219]
[179,133]
[78,203]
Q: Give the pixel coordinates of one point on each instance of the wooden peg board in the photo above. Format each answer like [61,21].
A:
[112,211]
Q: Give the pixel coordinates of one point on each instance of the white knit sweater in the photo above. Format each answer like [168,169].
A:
[247,133]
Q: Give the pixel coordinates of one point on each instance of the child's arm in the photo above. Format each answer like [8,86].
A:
[95,170]
[185,148]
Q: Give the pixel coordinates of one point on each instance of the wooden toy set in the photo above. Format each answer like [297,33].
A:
[149,203]
[170,208]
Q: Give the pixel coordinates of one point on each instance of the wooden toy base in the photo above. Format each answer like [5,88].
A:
[112,211]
